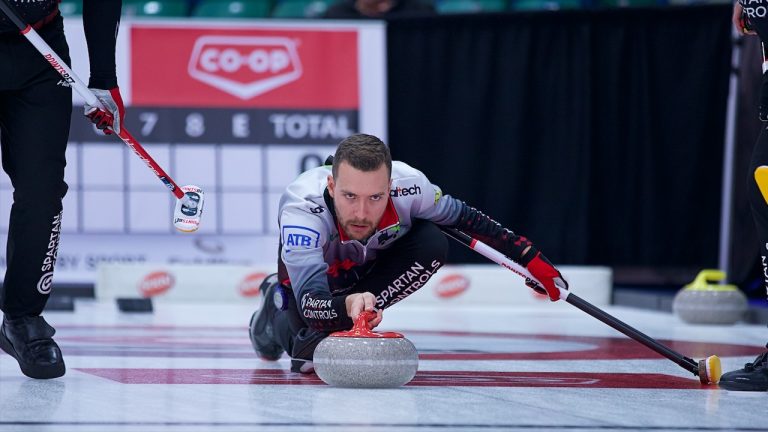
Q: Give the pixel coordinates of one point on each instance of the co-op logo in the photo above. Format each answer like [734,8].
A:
[245,66]
[156,283]
[249,286]
[452,285]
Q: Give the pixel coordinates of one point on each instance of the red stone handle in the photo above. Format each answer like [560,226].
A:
[361,328]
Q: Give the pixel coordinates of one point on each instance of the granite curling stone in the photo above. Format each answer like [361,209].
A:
[361,358]
[702,303]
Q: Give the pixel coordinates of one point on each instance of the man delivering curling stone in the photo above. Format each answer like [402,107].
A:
[363,235]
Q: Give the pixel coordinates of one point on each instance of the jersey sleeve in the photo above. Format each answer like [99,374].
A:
[101,19]
[434,206]
[303,237]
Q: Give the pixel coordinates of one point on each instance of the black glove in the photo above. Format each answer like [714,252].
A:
[763,112]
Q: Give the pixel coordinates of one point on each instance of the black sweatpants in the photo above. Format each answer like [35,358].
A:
[424,247]
[35,112]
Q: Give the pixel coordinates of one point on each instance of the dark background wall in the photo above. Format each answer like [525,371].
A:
[597,134]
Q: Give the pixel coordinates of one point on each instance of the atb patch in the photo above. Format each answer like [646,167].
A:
[299,237]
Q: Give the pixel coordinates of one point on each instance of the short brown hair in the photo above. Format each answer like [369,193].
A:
[363,152]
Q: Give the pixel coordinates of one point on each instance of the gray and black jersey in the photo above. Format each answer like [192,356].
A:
[320,263]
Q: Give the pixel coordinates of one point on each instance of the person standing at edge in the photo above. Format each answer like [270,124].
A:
[35,112]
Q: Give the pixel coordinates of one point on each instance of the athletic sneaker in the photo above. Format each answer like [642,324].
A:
[753,377]
[29,340]
[260,329]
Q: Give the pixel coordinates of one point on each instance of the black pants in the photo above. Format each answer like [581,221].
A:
[756,200]
[35,114]
[421,251]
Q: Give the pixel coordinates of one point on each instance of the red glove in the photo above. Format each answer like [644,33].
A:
[110,120]
[548,275]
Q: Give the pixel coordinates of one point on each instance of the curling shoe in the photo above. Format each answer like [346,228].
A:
[753,377]
[29,340]
[260,329]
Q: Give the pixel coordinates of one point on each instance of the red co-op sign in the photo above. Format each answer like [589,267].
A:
[224,67]
[245,66]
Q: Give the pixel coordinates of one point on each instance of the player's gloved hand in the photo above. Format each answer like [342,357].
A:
[110,120]
[548,275]
[763,112]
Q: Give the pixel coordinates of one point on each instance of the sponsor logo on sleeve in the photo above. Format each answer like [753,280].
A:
[438,194]
[317,309]
[405,191]
[388,234]
[299,237]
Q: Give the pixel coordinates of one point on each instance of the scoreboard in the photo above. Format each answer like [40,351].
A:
[239,109]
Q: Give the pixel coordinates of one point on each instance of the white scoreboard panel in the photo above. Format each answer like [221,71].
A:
[243,154]
[113,192]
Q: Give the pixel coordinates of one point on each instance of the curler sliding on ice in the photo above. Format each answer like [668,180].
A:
[708,370]
[190,198]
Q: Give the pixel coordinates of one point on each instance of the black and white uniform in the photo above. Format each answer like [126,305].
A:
[35,111]
[756,13]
